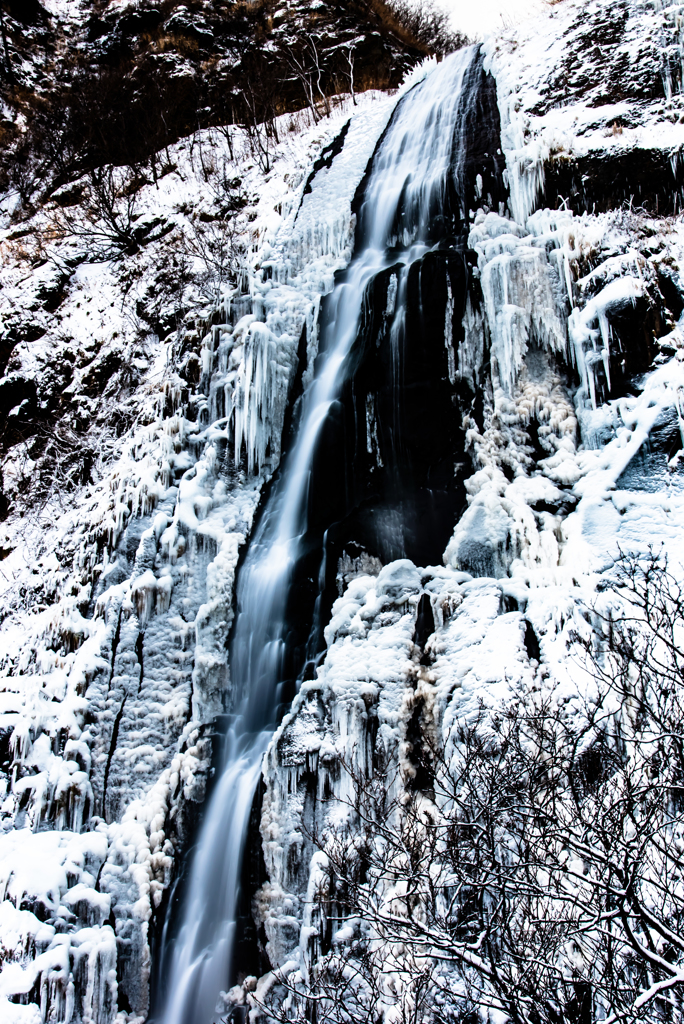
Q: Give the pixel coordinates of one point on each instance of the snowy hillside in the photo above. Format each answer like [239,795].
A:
[141,746]
[160,329]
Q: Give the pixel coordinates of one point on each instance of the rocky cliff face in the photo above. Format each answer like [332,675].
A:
[156,73]
[569,350]
[539,407]
[126,734]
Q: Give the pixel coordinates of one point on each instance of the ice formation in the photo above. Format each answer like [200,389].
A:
[112,727]
[408,172]
[568,470]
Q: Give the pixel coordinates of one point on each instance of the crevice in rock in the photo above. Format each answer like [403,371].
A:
[531,642]
[636,178]
[115,647]
[139,652]
[418,755]
[112,748]
[425,622]
[249,950]
[326,158]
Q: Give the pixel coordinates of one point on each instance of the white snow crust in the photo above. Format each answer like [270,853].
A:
[555,84]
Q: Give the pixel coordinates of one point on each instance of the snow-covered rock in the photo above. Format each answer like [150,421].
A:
[112,686]
[118,593]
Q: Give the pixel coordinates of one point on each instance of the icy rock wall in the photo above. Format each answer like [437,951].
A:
[535,546]
[572,351]
[377,687]
[591,105]
[571,312]
[386,687]
[360,689]
[110,693]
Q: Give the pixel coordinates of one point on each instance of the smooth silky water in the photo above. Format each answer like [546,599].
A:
[407,188]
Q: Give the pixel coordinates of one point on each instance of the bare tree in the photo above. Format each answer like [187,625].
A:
[349,51]
[426,23]
[106,221]
[261,133]
[218,246]
[318,70]
[213,239]
[307,64]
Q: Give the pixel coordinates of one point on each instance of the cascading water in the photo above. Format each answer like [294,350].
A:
[415,175]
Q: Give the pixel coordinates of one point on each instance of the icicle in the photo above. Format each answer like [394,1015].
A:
[449,331]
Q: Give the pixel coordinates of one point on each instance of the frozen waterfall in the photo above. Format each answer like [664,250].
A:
[414,176]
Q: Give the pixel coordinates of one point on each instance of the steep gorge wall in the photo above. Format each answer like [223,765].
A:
[567,365]
[536,327]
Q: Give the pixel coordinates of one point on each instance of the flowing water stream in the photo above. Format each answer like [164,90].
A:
[415,173]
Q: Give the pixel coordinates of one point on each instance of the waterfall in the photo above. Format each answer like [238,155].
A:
[410,203]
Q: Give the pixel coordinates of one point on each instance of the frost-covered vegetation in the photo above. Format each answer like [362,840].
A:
[529,863]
